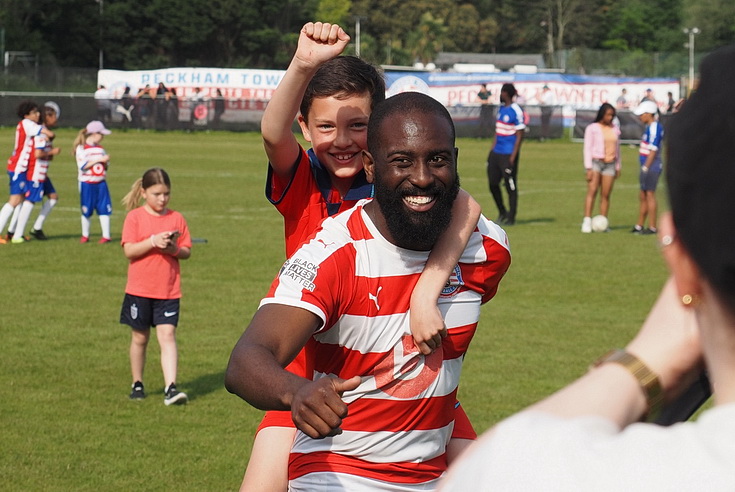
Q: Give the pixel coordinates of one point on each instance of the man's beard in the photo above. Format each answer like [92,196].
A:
[416,230]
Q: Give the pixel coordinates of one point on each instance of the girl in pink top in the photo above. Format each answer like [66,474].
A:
[601,161]
[154,239]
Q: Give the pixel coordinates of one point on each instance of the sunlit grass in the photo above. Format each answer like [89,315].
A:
[67,421]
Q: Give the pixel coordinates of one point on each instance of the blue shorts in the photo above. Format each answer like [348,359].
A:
[649,180]
[140,313]
[95,197]
[17,185]
[48,187]
[34,191]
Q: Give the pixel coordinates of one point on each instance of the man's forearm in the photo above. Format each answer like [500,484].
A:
[255,375]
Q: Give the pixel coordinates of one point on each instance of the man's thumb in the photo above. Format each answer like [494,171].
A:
[343,385]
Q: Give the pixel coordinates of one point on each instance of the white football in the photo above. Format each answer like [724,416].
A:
[599,223]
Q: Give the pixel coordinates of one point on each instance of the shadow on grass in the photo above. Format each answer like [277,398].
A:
[203,385]
[538,220]
[94,237]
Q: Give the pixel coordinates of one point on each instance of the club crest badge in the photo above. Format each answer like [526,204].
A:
[454,283]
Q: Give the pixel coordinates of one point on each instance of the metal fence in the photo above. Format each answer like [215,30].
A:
[478,121]
[77,110]
[631,127]
[44,78]
[585,61]
[180,114]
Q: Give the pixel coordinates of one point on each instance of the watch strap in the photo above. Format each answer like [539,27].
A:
[647,379]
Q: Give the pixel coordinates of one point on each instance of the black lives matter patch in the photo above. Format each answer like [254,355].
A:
[300,271]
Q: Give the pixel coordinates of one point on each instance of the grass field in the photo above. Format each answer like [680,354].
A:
[67,423]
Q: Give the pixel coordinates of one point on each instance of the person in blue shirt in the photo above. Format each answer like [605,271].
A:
[502,163]
[651,166]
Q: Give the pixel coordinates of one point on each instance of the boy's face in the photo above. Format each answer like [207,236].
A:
[50,118]
[646,118]
[34,115]
[337,130]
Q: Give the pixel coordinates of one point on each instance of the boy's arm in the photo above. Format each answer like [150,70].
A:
[318,43]
[427,324]
[47,154]
[649,160]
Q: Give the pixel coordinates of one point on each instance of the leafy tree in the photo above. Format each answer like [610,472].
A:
[464,33]
[643,25]
[334,11]
[715,19]
[428,38]
[138,34]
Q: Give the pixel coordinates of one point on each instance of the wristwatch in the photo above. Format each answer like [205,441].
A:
[646,378]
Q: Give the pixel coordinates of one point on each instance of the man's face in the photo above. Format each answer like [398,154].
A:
[337,130]
[415,178]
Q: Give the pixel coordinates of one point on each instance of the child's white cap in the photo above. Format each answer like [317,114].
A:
[97,126]
[54,106]
[646,107]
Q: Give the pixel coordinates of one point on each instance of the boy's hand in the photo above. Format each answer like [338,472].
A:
[320,42]
[427,328]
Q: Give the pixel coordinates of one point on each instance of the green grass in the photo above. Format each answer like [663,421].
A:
[67,421]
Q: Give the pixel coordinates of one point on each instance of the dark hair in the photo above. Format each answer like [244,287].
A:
[701,175]
[342,77]
[26,107]
[603,109]
[403,103]
[510,89]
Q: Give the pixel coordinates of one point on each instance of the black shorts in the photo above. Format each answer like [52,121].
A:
[140,313]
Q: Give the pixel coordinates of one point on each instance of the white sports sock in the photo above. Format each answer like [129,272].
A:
[48,205]
[13,220]
[105,225]
[5,214]
[25,213]
[85,226]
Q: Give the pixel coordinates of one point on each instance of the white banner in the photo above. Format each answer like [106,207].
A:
[247,91]
[233,83]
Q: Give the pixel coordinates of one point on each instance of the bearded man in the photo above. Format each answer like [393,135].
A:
[376,414]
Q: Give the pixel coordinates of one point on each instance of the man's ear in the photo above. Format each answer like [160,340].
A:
[685,271]
[304,128]
[368,164]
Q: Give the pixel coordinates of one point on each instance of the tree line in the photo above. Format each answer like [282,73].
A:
[145,34]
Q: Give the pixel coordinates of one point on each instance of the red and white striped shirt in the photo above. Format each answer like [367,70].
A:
[95,173]
[402,414]
[23,151]
[38,167]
